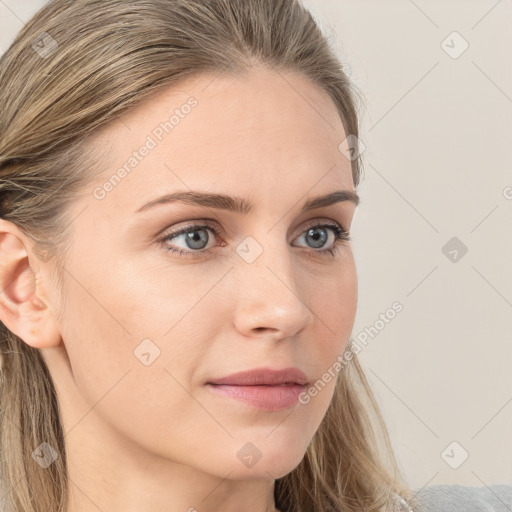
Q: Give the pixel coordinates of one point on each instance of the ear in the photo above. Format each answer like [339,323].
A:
[24,308]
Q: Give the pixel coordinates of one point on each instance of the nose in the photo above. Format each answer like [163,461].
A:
[269,302]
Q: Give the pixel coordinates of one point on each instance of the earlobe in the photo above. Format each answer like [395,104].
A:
[22,310]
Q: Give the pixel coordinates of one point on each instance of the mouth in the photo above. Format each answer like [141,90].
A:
[262,388]
[267,397]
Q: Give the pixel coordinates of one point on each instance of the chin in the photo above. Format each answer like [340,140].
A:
[254,461]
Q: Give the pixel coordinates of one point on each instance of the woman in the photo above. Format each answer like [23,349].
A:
[177,184]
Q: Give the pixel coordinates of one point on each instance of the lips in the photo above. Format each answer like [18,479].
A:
[262,388]
[264,377]
[264,397]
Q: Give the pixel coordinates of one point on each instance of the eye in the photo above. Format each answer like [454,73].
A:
[196,238]
[192,239]
[317,236]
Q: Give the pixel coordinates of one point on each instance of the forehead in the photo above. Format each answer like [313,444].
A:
[268,129]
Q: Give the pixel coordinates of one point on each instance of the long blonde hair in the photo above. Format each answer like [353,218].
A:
[72,68]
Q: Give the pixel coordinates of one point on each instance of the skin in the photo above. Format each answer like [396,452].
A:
[153,437]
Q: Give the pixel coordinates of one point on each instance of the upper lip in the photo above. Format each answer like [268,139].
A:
[264,376]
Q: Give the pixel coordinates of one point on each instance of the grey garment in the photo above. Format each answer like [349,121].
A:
[464,498]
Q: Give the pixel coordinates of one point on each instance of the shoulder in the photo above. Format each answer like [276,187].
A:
[464,498]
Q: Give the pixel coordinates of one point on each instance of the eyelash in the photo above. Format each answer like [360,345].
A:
[342,237]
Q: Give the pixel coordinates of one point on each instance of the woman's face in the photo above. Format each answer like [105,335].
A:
[145,328]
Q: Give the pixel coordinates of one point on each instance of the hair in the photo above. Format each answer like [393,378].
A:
[99,59]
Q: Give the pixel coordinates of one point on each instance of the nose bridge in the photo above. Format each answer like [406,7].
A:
[269,294]
[266,259]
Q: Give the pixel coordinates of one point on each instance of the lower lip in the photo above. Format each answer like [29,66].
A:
[270,398]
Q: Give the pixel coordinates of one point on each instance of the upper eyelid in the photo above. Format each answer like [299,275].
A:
[196,223]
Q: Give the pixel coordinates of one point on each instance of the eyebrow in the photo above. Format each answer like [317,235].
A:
[240,205]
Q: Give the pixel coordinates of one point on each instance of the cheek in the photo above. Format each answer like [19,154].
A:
[144,396]
[134,341]
[334,306]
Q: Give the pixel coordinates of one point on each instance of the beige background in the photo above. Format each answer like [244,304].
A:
[438,136]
